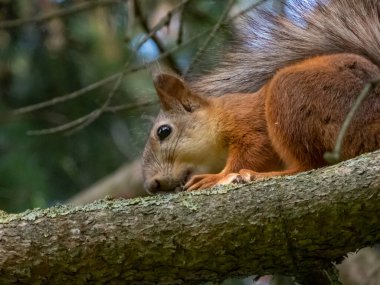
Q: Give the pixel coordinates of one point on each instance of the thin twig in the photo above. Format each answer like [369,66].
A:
[85,120]
[104,106]
[130,8]
[162,23]
[63,127]
[94,114]
[131,106]
[104,81]
[335,155]
[67,97]
[246,10]
[181,24]
[217,26]
[154,37]
[74,9]
[81,122]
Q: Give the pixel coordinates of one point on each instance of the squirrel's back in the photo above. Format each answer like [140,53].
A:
[267,41]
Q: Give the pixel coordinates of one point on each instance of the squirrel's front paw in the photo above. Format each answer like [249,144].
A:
[244,176]
[203,181]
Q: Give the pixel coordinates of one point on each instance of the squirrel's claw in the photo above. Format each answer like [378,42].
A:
[231,178]
[204,181]
[244,176]
[248,175]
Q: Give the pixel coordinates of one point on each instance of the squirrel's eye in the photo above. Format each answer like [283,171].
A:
[164,131]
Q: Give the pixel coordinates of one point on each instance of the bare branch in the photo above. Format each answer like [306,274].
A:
[154,37]
[82,91]
[74,9]
[181,25]
[249,8]
[132,106]
[63,127]
[89,118]
[335,155]
[67,97]
[218,25]
[102,82]
[115,76]
[212,34]
[162,23]
[105,104]
[130,7]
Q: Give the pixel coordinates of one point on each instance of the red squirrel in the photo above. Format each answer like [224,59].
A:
[275,104]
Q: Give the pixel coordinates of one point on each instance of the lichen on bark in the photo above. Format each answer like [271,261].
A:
[288,225]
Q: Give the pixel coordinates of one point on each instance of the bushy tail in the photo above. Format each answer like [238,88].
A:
[267,42]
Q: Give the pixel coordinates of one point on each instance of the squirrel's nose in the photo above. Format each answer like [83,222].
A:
[159,184]
[153,186]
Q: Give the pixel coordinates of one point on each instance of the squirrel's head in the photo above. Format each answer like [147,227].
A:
[183,140]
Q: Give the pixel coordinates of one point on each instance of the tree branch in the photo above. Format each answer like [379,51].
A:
[155,38]
[335,155]
[211,36]
[74,9]
[287,225]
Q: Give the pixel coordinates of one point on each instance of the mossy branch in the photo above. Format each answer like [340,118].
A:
[287,225]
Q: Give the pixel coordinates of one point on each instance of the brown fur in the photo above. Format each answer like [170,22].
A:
[297,116]
[307,103]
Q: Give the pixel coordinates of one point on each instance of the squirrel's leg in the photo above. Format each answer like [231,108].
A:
[239,159]
[203,181]
[247,175]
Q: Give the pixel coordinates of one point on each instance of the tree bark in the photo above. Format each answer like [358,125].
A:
[288,225]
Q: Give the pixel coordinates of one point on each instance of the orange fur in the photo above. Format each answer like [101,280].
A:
[296,116]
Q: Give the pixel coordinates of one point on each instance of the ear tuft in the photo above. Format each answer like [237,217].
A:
[167,82]
[174,95]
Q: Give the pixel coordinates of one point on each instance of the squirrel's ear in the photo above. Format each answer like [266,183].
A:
[174,95]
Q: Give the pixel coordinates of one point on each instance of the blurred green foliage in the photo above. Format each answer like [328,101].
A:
[43,60]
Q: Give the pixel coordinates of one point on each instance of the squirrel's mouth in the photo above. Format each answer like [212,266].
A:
[185,177]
